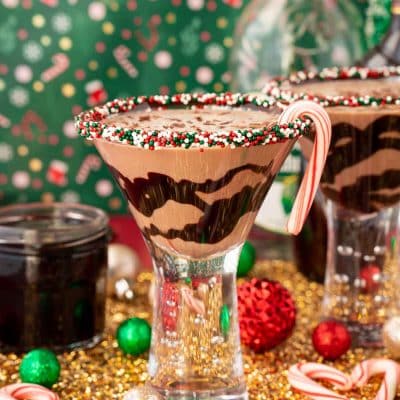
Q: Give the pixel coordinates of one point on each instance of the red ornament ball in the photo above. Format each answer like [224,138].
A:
[267,314]
[331,339]
[371,278]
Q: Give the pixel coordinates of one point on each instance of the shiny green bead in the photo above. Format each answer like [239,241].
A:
[134,336]
[246,260]
[188,281]
[40,366]
[224,320]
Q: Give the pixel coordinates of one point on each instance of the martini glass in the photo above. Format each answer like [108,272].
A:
[361,186]
[195,170]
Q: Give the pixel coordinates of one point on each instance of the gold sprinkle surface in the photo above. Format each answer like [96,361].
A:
[105,373]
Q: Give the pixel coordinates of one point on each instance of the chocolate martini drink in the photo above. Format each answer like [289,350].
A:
[195,170]
[361,182]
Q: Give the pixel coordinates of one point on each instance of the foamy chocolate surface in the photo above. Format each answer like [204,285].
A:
[350,87]
[205,119]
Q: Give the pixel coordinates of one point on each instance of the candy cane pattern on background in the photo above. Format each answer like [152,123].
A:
[4,121]
[195,305]
[312,176]
[301,377]
[121,54]
[27,391]
[32,118]
[60,65]
[151,42]
[89,164]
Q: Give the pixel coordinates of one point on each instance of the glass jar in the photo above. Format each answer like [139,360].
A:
[53,266]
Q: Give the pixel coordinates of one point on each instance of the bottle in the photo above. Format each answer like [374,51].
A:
[387,52]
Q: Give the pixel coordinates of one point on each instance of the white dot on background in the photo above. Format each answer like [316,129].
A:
[97,11]
[104,188]
[19,97]
[69,129]
[204,75]
[10,3]
[21,179]
[69,196]
[6,152]
[195,4]
[23,73]
[163,59]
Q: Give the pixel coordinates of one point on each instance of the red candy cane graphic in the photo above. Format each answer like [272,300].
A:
[60,65]
[31,118]
[151,42]
[4,121]
[90,163]
[121,54]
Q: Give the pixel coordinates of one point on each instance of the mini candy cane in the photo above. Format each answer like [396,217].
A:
[60,65]
[196,305]
[90,163]
[27,391]
[121,54]
[311,179]
[4,121]
[30,118]
[375,366]
[301,374]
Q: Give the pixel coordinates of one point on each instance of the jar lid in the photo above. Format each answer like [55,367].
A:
[37,224]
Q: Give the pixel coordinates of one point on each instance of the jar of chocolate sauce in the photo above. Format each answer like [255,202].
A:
[53,266]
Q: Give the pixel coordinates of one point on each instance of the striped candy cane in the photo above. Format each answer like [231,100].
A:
[376,366]
[311,179]
[121,54]
[90,163]
[195,305]
[60,65]
[27,391]
[301,377]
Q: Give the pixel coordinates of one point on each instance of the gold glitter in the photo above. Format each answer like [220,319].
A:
[105,373]
[38,86]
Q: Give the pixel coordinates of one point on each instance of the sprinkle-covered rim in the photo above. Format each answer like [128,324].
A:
[276,88]
[89,123]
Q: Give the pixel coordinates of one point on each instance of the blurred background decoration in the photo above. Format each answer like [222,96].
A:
[60,57]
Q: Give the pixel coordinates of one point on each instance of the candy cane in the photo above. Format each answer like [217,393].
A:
[121,54]
[60,65]
[300,375]
[311,179]
[90,163]
[148,43]
[196,305]
[4,121]
[376,366]
[27,391]
[30,118]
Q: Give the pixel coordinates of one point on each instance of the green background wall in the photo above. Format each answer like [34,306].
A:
[105,49]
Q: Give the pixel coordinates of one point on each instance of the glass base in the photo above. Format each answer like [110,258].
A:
[365,335]
[181,391]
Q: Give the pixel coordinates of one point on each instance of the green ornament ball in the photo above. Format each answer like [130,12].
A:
[246,260]
[134,336]
[40,366]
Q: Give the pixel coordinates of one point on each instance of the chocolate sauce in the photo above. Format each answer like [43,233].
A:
[219,218]
[52,292]
[351,146]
